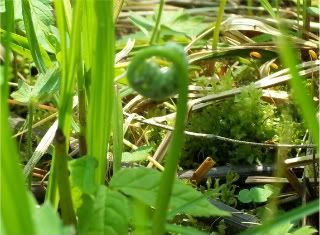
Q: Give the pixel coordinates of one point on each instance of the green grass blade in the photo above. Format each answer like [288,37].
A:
[300,92]
[156,28]
[69,62]
[52,193]
[218,23]
[62,27]
[15,208]
[20,45]
[88,35]
[117,6]
[101,90]
[285,218]
[268,8]
[32,38]
[117,131]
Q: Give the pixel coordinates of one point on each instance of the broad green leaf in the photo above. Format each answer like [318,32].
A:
[32,37]
[140,154]
[20,45]
[190,26]
[48,222]
[143,183]
[43,21]
[282,229]
[305,230]
[142,23]
[82,173]
[314,11]
[45,86]
[108,214]
[23,94]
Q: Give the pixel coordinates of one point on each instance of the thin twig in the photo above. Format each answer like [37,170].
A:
[218,137]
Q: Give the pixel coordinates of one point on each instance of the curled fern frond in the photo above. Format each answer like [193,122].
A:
[152,81]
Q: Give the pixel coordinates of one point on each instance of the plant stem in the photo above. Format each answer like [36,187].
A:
[101,96]
[52,194]
[82,113]
[249,4]
[117,130]
[218,23]
[156,29]
[29,137]
[176,55]
[67,212]
[306,17]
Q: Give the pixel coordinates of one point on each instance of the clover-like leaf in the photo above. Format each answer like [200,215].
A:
[260,194]
[245,196]
[256,194]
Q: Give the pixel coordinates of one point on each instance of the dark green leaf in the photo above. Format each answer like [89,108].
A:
[31,35]
[190,26]
[82,173]
[107,214]
[305,230]
[23,94]
[142,23]
[142,184]
[43,21]
[47,222]
[46,84]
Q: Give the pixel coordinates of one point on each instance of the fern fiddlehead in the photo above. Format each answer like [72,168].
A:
[151,81]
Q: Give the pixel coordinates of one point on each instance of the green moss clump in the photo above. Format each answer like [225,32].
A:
[243,117]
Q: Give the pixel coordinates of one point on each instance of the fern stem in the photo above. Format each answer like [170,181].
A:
[156,29]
